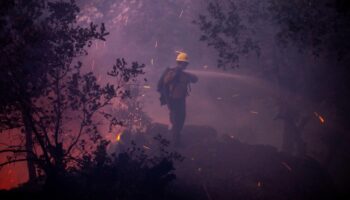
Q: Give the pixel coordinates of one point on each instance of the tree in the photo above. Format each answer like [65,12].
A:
[47,95]
[224,30]
[318,29]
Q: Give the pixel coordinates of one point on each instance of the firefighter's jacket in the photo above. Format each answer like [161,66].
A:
[177,82]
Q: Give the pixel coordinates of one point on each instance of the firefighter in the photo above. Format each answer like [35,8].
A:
[173,87]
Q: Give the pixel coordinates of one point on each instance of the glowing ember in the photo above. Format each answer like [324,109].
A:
[320,117]
[118,137]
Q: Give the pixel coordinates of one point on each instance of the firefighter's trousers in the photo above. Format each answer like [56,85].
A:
[177,109]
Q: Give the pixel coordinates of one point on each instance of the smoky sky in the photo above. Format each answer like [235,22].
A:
[241,102]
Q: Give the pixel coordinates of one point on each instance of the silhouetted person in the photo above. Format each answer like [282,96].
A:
[174,87]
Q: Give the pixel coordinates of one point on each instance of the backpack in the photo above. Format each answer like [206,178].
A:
[169,77]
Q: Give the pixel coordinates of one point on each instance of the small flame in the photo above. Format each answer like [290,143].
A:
[119,135]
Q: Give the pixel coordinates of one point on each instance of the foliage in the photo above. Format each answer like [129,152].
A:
[223,29]
[46,93]
[316,25]
[319,25]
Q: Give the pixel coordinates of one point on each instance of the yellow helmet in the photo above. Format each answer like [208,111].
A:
[182,56]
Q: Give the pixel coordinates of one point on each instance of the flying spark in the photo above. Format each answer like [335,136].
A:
[259,184]
[126,20]
[181,13]
[93,65]
[320,117]
[286,166]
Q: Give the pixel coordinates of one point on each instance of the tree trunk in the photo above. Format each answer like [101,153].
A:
[29,148]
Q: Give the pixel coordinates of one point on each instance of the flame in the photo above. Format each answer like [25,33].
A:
[320,117]
[118,137]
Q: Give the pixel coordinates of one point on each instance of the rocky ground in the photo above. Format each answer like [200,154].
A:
[224,168]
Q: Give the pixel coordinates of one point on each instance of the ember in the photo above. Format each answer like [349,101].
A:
[320,117]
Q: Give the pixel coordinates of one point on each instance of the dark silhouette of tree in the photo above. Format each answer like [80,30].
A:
[223,29]
[45,92]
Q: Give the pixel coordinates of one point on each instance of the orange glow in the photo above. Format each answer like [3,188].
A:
[320,117]
[118,137]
